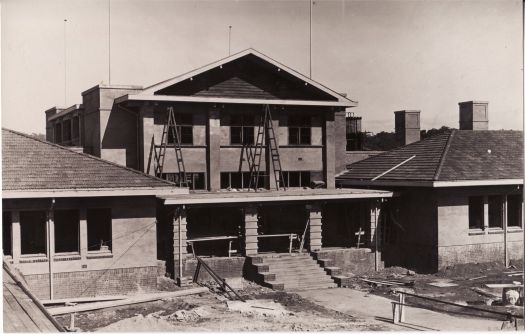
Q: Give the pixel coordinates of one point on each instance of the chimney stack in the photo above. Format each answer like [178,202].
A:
[473,115]
[408,128]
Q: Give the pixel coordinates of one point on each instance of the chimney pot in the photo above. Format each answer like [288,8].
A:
[408,127]
[473,115]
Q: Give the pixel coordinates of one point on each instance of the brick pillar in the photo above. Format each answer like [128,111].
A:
[329,150]
[315,228]
[15,236]
[250,231]
[179,242]
[83,234]
[214,149]
[147,126]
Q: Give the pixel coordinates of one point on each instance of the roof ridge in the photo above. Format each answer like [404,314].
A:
[89,156]
[444,154]
[238,55]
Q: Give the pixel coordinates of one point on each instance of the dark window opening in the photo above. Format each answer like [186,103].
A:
[299,130]
[241,130]
[296,179]
[196,181]
[514,210]
[241,180]
[99,229]
[227,224]
[476,212]
[33,232]
[67,130]
[6,233]
[76,127]
[184,128]
[58,133]
[496,211]
[67,231]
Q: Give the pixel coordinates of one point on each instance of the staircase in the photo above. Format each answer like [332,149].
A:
[289,272]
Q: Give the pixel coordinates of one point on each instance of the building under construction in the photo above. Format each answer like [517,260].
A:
[259,146]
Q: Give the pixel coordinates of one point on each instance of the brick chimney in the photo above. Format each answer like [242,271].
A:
[473,115]
[408,128]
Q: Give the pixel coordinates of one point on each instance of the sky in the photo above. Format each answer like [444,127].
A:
[387,55]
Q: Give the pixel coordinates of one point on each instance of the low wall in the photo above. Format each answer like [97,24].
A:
[350,260]
[94,282]
[478,253]
[225,267]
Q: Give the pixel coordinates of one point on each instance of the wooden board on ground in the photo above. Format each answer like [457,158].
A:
[129,301]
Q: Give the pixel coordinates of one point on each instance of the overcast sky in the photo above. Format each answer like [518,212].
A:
[388,55]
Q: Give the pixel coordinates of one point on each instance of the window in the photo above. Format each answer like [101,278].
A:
[496,211]
[241,130]
[58,133]
[99,229]
[476,212]
[196,181]
[33,232]
[67,130]
[76,127]
[184,128]
[67,231]
[299,130]
[241,180]
[296,179]
[514,210]
[6,232]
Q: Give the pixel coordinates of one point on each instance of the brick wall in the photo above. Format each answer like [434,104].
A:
[225,267]
[350,260]
[95,282]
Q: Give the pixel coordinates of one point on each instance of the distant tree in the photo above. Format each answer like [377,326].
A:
[38,136]
[381,141]
[434,131]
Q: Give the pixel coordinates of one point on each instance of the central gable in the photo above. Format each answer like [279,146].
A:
[247,77]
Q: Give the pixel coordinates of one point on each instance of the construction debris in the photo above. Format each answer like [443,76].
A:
[486,293]
[442,284]
[82,300]
[475,278]
[128,301]
[389,282]
[261,307]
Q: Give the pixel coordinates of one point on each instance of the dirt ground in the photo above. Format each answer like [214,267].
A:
[210,312]
[465,280]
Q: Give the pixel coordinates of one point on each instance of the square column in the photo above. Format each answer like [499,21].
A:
[15,236]
[315,228]
[214,149]
[250,231]
[83,234]
[179,242]
[329,139]
[374,210]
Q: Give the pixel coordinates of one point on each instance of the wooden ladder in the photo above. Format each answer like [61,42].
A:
[265,132]
[169,128]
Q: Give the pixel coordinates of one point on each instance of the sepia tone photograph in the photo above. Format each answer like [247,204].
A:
[262,165]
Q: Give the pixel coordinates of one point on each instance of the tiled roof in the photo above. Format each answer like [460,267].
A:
[32,164]
[455,156]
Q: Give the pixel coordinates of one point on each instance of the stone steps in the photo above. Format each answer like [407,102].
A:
[285,272]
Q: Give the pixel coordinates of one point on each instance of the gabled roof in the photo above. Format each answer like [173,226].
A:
[445,160]
[152,90]
[31,166]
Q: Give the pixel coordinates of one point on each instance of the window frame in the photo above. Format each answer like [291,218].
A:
[519,213]
[110,243]
[299,128]
[246,128]
[56,226]
[481,224]
[22,213]
[184,123]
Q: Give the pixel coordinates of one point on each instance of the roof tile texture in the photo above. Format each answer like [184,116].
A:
[32,164]
[454,156]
